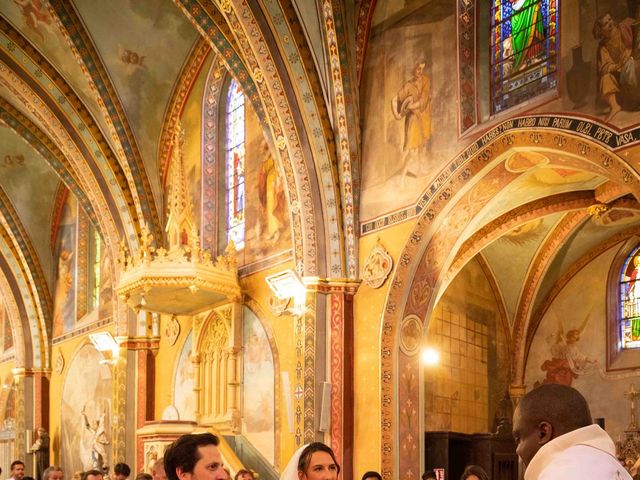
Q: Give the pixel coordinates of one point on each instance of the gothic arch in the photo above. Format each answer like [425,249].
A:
[450,206]
[316,219]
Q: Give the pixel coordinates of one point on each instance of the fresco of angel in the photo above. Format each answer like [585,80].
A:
[567,362]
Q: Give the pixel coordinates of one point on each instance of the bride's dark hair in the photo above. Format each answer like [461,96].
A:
[305,456]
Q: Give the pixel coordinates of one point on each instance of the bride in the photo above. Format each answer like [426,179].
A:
[315,461]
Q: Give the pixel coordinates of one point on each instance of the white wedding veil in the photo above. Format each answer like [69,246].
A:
[291,471]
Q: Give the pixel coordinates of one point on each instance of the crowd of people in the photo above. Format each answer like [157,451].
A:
[552,427]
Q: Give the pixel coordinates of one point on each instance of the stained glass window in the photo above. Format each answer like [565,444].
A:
[234,164]
[523,50]
[630,301]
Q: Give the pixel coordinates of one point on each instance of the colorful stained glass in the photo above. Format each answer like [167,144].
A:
[234,171]
[523,51]
[630,302]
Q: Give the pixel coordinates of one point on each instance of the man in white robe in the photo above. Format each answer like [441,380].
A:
[556,438]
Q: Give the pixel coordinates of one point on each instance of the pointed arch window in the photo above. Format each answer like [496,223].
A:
[234,164]
[523,50]
[630,301]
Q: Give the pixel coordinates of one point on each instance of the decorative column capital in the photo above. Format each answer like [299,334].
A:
[331,285]
[139,343]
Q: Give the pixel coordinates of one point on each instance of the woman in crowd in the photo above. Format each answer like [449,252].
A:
[315,461]
[474,472]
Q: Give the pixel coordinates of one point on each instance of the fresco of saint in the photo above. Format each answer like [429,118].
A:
[618,70]
[413,105]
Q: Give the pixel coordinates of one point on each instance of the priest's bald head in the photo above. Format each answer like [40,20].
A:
[545,413]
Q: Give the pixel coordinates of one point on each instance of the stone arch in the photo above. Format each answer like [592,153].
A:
[36,295]
[306,159]
[450,205]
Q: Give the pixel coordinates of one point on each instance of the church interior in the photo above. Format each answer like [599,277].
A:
[286,221]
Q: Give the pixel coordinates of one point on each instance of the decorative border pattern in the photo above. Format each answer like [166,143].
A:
[210,141]
[213,27]
[62,193]
[337,378]
[305,83]
[25,255]
[586,128]
[310,368]
[401,435]
[31,323]
[13,310]
[467,116]
[347,147]
[184,84]
[363,28]
[82,262]
[84,329]
[34,82]
[265,263]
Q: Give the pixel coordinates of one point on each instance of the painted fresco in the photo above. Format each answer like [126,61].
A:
[64,316]
[598,61]
[7,335]
[85,426]
[106,283]
[570,343]
[519,246]
[409,93]
[24,175]
[134,65]
[407,78]
[33,20]
[184,398]
[258,388]
[601,54]
[267,229]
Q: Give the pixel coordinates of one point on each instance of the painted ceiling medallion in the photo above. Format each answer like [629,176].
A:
[182,280]
[410,335]
[172,330]
[377,266]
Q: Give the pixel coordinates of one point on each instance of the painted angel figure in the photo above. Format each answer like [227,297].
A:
[567,362]
[98,440]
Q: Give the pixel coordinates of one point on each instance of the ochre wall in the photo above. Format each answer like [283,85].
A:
[462,390]
[368,305]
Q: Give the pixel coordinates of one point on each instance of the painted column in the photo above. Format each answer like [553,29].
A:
[337,336]
[134,385]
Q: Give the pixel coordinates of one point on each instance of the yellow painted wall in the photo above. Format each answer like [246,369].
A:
[166,363]
[257,290]
[368,305]
[192,123]
[283,330]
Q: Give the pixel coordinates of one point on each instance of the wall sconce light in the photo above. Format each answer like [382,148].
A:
[107,346]
[430,356]
[288,286]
